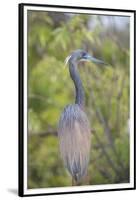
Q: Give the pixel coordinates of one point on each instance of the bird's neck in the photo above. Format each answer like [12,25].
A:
[78,83]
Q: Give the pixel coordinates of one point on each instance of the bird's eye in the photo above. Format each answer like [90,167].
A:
[83,54]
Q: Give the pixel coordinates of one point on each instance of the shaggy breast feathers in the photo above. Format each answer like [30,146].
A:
[75,137]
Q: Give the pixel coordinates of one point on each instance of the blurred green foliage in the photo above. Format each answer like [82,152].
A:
[51,38]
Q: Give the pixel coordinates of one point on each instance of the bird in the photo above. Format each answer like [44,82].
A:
[74,130]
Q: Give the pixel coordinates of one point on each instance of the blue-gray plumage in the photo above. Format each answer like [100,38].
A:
[74,129]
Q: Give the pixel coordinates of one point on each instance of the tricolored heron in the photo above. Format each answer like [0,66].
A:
[74,130]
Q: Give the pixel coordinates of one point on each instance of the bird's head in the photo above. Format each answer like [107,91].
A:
[81,55]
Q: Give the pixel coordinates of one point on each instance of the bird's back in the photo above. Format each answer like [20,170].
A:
[75,139]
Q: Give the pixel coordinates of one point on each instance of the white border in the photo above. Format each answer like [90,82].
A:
[93,187]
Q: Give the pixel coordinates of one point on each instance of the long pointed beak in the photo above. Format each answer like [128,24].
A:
[95,60]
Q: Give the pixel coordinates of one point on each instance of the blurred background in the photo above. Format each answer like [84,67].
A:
[52,36]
